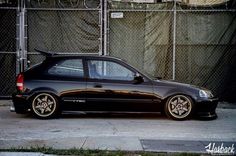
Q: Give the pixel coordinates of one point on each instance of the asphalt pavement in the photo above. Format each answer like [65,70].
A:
[130,132]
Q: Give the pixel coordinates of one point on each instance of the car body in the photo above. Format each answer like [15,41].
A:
[103,83]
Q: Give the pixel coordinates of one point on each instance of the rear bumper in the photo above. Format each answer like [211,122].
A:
[206,109]
[20,103]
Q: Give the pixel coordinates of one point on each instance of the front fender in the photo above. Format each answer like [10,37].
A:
[173,92]
[164,92]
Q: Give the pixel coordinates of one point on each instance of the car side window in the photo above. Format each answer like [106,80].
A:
[109,70]
[68,68]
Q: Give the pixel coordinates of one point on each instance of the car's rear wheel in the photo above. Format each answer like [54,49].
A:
[179,107]
[45,106]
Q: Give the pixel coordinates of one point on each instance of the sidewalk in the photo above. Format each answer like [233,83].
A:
[5,102]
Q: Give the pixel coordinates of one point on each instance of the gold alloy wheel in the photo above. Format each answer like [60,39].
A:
[44,105]
[179,106]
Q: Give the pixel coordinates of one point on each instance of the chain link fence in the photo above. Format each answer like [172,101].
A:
[205,47]
[144,43]
[68,27]
[189,44]
[63,31]
[7,49]
[86,4]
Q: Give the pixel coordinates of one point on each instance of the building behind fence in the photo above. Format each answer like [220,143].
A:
[180,40]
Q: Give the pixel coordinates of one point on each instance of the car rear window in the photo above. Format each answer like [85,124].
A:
[67,68]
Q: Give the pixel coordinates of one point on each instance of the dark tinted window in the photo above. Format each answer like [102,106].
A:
[68,68]
[109,70]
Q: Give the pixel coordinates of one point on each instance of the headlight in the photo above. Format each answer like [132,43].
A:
[205,94]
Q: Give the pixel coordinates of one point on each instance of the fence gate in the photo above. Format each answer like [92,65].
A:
[62,26]
[177,40]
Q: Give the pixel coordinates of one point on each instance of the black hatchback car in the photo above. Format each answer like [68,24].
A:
[102,83]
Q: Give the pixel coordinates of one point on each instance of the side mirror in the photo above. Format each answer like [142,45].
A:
[158,77]
[138,79]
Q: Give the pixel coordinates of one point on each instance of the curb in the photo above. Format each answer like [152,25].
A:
[5,102]
[24,154]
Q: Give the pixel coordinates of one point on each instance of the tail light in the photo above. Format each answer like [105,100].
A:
[20,82]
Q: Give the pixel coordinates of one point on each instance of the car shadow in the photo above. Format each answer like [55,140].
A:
[109,115]
[121,115]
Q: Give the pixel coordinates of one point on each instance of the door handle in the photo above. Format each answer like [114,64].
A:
[97,86]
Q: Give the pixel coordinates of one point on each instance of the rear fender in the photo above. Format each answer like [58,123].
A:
[43,90]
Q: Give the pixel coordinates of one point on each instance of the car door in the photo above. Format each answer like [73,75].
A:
[111,87]
[67,77]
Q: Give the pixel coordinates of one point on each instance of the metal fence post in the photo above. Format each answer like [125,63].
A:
[18,38]
[101,28]
[105,28]
[174,41]
[21,47]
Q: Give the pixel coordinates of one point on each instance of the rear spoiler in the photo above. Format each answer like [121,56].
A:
[46,53]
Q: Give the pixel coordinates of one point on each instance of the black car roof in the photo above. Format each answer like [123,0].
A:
[82,55]
[51,55]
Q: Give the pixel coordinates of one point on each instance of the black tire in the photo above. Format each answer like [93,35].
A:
[179,107]
[45,106]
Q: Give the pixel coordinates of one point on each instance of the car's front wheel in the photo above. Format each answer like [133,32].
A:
[45,106]
[179,107]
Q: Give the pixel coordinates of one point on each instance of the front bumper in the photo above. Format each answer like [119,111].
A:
[206,108]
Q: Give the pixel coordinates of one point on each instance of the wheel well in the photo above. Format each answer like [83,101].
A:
[39,92]
[166,98]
